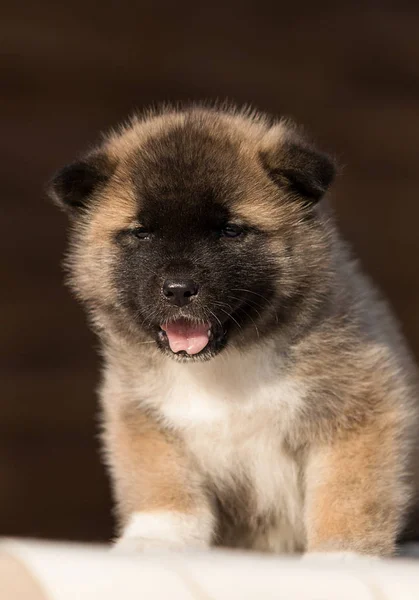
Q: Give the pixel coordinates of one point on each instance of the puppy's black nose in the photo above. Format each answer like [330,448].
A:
[179,291]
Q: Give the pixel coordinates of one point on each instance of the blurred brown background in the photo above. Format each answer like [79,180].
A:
[349,71]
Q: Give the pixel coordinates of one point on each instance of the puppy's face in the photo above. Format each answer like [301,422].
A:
[194,231]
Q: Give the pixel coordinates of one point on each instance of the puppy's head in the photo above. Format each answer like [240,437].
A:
[197,229]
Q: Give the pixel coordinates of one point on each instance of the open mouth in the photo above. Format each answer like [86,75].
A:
[189,338]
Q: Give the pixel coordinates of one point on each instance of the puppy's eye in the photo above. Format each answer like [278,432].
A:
[231,230]
[141,233]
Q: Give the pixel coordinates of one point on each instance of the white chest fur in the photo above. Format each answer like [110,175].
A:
[233,413]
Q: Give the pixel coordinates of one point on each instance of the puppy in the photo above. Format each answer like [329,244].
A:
[256,391]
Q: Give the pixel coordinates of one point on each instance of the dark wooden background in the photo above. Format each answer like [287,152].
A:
[348,70]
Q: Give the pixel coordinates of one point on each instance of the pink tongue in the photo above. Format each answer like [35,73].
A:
[183,335]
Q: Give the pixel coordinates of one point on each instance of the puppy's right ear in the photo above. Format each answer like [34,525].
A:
[73,186]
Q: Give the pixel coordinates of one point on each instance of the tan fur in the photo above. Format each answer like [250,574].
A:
[298,441]
[150,467]
[150,470]
[353,481]
[355,497]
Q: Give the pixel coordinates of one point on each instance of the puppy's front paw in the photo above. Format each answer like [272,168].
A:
[163,531]
[138,545]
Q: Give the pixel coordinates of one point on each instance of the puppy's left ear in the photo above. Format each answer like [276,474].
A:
[73,186]
[295,165]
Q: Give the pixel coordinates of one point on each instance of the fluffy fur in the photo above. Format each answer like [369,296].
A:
[292,430]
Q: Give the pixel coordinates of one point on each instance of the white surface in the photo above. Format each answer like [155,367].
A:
[70,572]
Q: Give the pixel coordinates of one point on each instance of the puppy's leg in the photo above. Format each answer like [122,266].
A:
[356,493]
[160,498]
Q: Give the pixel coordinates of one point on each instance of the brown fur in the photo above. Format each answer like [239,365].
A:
[355,497]
[151,472]
[339,422]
